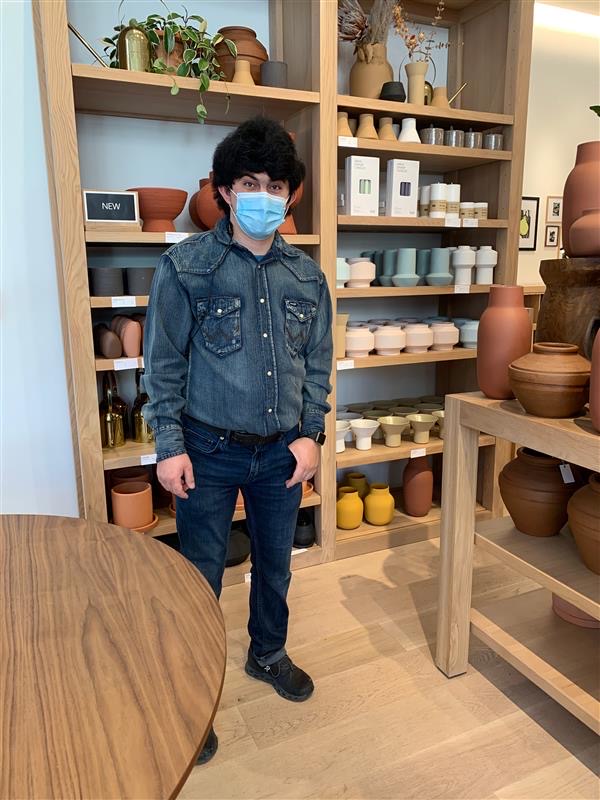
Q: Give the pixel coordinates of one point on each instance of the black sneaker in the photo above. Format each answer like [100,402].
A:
[210,748]
[288,680]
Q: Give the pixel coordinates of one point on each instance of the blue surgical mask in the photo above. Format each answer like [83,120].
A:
[259,214]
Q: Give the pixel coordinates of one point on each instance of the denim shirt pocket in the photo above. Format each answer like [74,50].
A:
[299,315]
[219,319]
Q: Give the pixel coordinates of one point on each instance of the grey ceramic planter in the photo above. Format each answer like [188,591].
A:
[106,281]
[139,280]
[274,73]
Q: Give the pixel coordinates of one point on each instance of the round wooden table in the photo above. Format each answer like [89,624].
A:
[112,658]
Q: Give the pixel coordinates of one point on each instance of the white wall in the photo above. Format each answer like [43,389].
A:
[565,81]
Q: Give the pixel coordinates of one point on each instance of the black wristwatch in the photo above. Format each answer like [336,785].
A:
[318,437]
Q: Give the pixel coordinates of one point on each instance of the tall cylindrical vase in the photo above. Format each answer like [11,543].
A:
[370,71]
[417,487]
[504,335]
[416,72]
[582,188]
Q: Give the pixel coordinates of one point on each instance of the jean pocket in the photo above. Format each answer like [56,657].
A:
[299,315]
[220,324]
[201,441]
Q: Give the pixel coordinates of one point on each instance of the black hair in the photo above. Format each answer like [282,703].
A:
[257,145]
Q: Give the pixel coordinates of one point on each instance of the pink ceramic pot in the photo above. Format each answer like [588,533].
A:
[445,335]
[389,340]
[359,342]
[419,338]
[582,189]
[129,332]
[362,272]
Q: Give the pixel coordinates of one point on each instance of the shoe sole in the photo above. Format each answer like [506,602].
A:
[261,676]
[207,755]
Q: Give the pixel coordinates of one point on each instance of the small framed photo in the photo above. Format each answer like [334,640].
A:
[552,236]
[554,210]
[528,224]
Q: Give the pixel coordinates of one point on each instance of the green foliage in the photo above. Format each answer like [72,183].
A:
[199,53]
[596,109]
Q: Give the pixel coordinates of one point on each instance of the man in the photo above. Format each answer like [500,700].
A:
[238,354]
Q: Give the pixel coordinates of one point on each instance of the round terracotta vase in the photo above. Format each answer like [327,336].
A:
[349,508]
[417,487]
[159,207]
[379,505]
[132,504]
[504,334]
[585,234]
[552,381]
[582,188]
[533,491]
[248,47]
[584,521]
[595,384]
[370,71]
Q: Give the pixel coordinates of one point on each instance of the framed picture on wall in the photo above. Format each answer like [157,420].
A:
[552,236]
[528,224]
[554,209]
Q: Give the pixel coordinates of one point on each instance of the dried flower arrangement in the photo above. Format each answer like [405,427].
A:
[365,30]
[417,42]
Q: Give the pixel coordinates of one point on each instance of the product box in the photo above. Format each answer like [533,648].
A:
[362,186]
[402,188]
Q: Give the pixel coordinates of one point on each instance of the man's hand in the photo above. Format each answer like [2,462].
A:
[306,452]
[176,475]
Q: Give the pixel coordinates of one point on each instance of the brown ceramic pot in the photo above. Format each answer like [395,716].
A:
[570,307]
[585,233]
[582,188]
[552,381]
[504,335]
[129,332]
[584,521]
[106,342]
[370,71]
[132,504]
[595,384]
[535,494]
[248,47]
[194,206]
[417,487]
[159,207]
[570,613]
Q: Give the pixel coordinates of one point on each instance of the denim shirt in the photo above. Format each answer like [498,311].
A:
[236,343]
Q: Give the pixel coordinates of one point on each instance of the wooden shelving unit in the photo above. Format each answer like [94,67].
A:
[410,224]
[527,635]
[141,238]
[380,453]
[134,301]
[429,357]
[418,291]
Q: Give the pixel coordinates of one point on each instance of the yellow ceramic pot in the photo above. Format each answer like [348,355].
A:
[358,481]
[349,508]
[379,505]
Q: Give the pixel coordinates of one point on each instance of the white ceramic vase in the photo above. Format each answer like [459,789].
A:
[445,335]
[362,273]
[363,430]
[393,428]
[342,426]
[408,131]
[342,272]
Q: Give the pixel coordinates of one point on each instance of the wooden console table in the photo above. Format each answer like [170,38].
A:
[527,634]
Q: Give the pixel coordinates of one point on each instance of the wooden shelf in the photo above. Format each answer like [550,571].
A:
[132,454]
[380,453]
[347,222]
[430,357]
[119,364]
[121,93]
[478,120]
[419,291]
[560,658]
[139,300]
[553,562]
[432,158]
[150,239]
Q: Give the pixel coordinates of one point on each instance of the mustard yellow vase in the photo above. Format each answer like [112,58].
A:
[349,508]
[359,482]
[379,505]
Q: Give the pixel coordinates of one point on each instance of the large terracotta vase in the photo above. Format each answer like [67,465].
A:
[349,508]
[570,308]
[582,188]
[159,207]
[370,71]
[248,47]
[417,487]
[595,384]
[416,71]
[584,521]
[585,234]
[379,505]
[504,335]
[535,494]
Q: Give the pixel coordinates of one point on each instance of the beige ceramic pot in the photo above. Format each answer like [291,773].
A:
[393,427]
[439,415]
[419,338]
[242,74]
[366,127]
[375,414]
[363,430]
[359,342]
[389,341]
[386,131]
[421,424]
[342,426]
[440,97]
[416,72]
[445,335]
[343,128]
[362,273]
[370,71]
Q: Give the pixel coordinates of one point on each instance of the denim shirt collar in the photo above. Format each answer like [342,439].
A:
[223,235]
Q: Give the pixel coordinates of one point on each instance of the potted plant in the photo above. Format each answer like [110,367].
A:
[368,33]
[182,48]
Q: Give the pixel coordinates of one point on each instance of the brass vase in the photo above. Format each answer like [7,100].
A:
[133,49]
[114,427]
[142,432]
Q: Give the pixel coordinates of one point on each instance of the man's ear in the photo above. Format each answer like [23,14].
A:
[225,193]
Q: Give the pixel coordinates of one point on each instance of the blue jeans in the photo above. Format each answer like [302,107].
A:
[221,467]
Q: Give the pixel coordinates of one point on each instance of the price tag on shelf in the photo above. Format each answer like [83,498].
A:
[452,223]
[417,452]
[345,363]
[125,363]
[172,237]
[462,290]
[567,473]
[347,141]
[297,550]
[150,458]
[469,222]
[124,301]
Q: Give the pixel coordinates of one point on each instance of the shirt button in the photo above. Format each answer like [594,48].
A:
[270,410]
[219,310]
[301,316]
[262,299]
[265,335]
[269,373]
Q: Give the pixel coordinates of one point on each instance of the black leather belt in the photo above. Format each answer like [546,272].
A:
[247,439]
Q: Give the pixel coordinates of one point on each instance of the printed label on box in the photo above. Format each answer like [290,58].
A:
[172,237]
[347,141]
[345,363]
[361,187]
[452,223]
[150,458]
[402,188]
[125,363]
[418,452]
[469,222]
[124,301]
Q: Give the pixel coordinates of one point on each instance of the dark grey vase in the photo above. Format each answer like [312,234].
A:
[106,281]
[274,73]
[139,280]
[304,535]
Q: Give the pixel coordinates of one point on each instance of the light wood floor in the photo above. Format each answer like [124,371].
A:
[383,721]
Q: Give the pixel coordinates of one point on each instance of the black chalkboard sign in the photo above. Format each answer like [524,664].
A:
[111,208]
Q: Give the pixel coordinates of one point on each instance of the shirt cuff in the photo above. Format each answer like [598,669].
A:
[169,441]
[313,422]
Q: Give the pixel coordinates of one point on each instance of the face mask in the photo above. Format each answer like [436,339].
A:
[259,214]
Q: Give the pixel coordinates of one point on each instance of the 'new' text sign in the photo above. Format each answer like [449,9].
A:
[113,207]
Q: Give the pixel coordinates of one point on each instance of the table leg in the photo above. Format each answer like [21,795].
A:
[459,485]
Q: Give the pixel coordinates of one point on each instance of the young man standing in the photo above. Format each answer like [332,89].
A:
[238,354]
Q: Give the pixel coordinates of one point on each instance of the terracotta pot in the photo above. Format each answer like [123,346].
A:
[129,475]
[570,613]
[349,509]
[584,522]
[173,59]
[552,381]
[248,47]
[106,342]
[504,334]
[582,188]
[533,491]
[159,207]
[595,384]
[129,332]
[370,71]
[379,505]
[416,72]
[132,504]
[585,234]
[242,73]
[417,487]
[359,482]
[570,308]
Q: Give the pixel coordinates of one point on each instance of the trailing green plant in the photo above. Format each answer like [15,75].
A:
[199,49]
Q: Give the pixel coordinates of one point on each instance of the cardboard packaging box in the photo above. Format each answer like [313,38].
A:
[402,188]
[362,186]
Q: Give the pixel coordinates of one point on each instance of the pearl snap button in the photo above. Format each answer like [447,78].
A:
[262,299]
[265,335]
[270,410]
[301,316]
[219,310]
[269,373]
